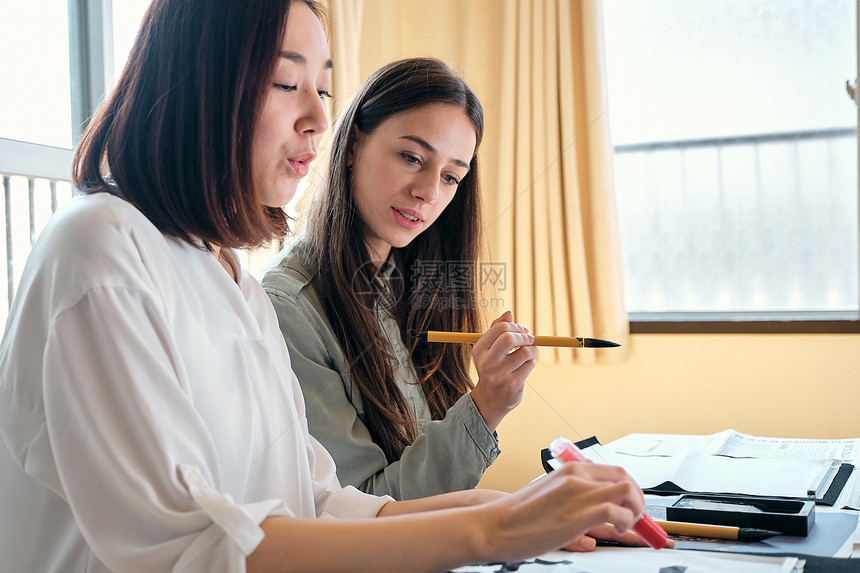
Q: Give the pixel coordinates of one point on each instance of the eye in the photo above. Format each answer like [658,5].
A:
[285,87]
[410,159]
[324,94]
[451,180]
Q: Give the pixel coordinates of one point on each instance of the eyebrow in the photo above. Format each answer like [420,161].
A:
[300,59]
[423,143]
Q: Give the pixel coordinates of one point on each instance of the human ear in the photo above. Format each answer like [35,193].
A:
[356,138]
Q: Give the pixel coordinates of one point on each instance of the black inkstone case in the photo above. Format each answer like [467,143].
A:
[789,517]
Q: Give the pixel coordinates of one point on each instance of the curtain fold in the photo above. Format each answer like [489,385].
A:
[555,167]
[550,216]
[344,31]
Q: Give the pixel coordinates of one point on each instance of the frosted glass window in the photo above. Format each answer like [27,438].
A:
[736,154]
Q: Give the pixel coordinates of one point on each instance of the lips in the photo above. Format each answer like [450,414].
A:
[409,214]
[407,218]
[305,157]
[299,163]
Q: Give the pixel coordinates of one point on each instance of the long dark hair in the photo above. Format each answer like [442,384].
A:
[175,136]
[336,244]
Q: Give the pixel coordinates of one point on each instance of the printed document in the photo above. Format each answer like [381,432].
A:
[738,445]
[726,462]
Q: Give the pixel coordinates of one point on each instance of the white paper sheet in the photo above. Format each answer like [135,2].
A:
[736,444]
[642,560]
[698,471]
[728,461]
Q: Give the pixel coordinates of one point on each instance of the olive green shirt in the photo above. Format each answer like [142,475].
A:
[448,455]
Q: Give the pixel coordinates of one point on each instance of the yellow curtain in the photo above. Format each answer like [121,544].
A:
[550,214]
[556,220]
[344,30]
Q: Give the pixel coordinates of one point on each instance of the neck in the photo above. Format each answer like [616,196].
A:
[224,262]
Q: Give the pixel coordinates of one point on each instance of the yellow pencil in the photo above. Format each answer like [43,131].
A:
[715,531]
[563,341]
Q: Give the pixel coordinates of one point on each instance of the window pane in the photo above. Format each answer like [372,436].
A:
[126,22]
[736,153]
[35,102]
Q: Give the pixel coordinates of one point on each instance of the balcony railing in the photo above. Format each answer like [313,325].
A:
[36,179]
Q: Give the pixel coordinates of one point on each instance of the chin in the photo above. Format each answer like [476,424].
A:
[279,196]
[403,243]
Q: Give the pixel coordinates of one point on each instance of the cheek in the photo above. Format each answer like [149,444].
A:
[357,185]
[364,203]
[381,172]
[263,153]
[449,198]
[371,186]
[272,132]
[442,206]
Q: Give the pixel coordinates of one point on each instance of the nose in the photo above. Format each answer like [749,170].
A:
[313,120]
[426,187]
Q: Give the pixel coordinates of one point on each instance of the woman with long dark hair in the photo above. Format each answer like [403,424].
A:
[391,250]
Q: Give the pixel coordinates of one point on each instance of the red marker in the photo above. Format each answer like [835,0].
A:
[565,451]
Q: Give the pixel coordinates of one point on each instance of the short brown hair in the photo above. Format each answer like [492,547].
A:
[175,136]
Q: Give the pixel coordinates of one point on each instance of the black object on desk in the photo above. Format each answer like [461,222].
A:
[829,564]
[790,517]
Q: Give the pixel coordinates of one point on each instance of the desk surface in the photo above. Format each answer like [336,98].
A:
[703,561]
[846,558]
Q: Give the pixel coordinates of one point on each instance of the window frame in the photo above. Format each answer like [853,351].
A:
[783,322]
[699,323]
[90,58]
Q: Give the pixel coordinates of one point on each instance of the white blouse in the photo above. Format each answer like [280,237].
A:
[150,415]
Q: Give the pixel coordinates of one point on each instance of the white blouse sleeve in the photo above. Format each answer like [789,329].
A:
[332,500]
[132,457]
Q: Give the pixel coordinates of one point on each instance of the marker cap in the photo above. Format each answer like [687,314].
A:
[564,450]
[650,532]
